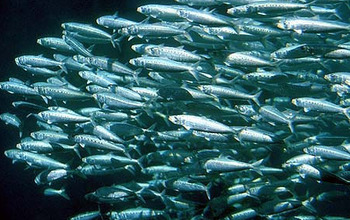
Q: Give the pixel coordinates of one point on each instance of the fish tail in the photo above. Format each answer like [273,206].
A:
[188,36]
[291,126]
[140,162]
[258,171]
[256,98]
[76,150]
[64,194]
[194,73]
[137,118]
[309,207]
[253,196]
[342,11]
[63,67]
[347,112]
[207,192]
[256,165]
[80,174]
[130,168]
[136,75]
[117,41]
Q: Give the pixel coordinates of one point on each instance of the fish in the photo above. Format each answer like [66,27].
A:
[243,59]
[77,46]
[319,105]
[199,123]
[95,142]
[226,92]
[266,8]
[114,22]
[52,116]
[195,109]
[39,61]
[60,93]
[228,165]
[55,43]
[162,12]
[87,30]
[172,53]
[34,159]
[309,25]
[152,31]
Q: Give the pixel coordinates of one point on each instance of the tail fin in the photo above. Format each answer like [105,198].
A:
[291,126]
[116,41]
[54,192]
[63,67]
[256,98]
[342,11]
[136,74]
[309,207]
[194,73]
[346,112]
[255,166]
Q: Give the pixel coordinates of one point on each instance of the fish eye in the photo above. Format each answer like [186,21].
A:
[182,13]
[251,9]
[137,62]
[142,9]
[146,10]
[154,50]
[132,29]
[174,119]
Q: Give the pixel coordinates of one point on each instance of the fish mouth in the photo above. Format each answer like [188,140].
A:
[17,61]
[280,25]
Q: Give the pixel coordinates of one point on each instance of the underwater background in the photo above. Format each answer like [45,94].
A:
[22,23]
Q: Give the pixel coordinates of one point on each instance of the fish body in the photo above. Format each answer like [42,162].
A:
[111,65]
[162,12]
[35,146]
[265,8]
[136,213]
[160,64]
[11,119]
[34,159]
[243,59]
[18,88]
[38,61]
[109,160]
[55,43]
[61,93]
[85,29]
[203,17]
[151,31]
[226,165]
[115,101]
[320,105]
[327,152]
[230,93]
[97,79]
[77,46]
[52,116]
[199,123]
[114,22]
[308,25]
[95,142]
[172,53]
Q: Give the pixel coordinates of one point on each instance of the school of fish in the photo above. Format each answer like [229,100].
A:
[206,109]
